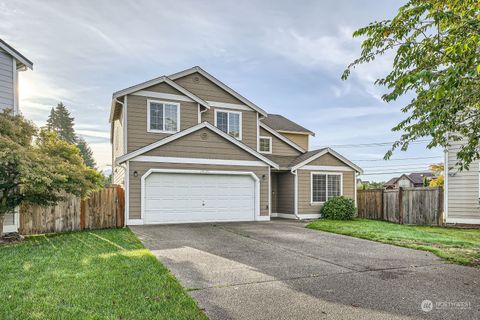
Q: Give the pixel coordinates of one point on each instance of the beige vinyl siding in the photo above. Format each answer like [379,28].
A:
[143,167]
[205,89]
[279,147]
[249,125]
[304,183]
[300,139]
[137,120]
[205,144]
[285,193]
[462,188]
[6,80]
[304,190]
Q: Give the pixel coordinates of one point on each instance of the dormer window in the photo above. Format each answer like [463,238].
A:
[163,117]
[229,122]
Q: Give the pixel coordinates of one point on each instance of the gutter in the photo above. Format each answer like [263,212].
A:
[295,206]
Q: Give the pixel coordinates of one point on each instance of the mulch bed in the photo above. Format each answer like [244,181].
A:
[9,238]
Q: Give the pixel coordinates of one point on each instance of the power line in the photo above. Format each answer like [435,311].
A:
[381,173]
[373,144]
[399,159]
[399,165]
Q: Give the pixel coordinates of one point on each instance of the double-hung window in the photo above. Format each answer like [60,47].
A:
[325,186]
[229,122]
[265,144]
[163,116]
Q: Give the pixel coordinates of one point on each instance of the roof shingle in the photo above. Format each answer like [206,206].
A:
[280,123]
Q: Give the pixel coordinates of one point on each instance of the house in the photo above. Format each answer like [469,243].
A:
[11,63]
[188,148]
[461,189]
[415,179]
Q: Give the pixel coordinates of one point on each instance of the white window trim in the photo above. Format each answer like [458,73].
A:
[228,121]
[327,173]
[270,143]
[149,101]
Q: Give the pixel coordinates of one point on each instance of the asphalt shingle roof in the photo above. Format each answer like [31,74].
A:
[279,122]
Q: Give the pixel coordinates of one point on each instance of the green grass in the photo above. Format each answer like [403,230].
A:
[105,274]
[460,246]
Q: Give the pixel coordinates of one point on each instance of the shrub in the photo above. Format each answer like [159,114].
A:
[338,208]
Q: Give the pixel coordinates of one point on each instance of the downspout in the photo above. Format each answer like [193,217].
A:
[295,208]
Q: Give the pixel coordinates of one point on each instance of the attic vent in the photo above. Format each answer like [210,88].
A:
[204,136]
[196,79]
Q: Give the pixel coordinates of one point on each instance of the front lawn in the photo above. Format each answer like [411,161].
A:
[461,246]
[105,274]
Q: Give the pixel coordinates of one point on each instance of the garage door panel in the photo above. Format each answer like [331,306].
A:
[181,197]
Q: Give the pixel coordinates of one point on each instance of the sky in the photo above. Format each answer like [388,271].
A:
[285,56]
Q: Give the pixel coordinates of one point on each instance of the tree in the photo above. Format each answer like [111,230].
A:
[437,60]
[38,173]
[86,153]
[61,122]
[437,169]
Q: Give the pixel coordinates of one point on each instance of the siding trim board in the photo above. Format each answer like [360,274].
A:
[200,161]
[333,153]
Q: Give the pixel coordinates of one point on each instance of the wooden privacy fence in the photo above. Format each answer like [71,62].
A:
[420,206]
[103,209]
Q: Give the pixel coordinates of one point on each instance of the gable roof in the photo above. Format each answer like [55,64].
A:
[417,177]
[188,131]
[280,123]
[308,157]
[220,84]
[17,55]
[281,137]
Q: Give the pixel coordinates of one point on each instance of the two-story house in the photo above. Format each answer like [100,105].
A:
[11,63]
[188,148]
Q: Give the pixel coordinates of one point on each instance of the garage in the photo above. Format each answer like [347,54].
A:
[184,197]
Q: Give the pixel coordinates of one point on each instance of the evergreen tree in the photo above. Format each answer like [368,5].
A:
[61,122]
[86,153]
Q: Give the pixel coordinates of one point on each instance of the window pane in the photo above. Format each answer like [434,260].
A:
[319,188]
[171,117]
[264,145]
[156,116]
[222,124]
[333,186]
[234,125]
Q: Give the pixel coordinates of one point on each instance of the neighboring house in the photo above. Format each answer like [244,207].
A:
[415,179]
[461,189]
[187,148]
[11,62]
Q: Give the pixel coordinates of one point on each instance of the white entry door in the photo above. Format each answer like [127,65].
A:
[188,197]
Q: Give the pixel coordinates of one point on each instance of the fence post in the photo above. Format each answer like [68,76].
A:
[440,207]
[82,214]
[382,204]
[400,205]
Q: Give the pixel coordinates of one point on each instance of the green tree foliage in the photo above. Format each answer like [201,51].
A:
[437,61]
[38,173]
[86,153]
[61,122]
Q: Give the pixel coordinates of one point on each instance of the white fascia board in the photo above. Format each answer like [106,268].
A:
[159,159]
[155,81]
[185,132]
[281,137]
[220,84]
[333,153]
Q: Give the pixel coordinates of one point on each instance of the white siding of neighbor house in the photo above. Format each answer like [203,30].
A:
[6,81]
[462,189]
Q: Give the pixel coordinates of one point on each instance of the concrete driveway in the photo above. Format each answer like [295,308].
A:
[280,270]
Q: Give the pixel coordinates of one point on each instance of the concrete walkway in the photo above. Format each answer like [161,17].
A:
[280,270]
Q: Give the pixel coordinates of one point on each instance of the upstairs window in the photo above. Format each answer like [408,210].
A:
[163,116]
[265,144]
[325,186]
[229,122]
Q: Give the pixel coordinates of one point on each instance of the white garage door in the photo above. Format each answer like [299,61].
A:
[182,198]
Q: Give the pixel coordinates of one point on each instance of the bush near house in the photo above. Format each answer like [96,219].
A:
[338,208]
